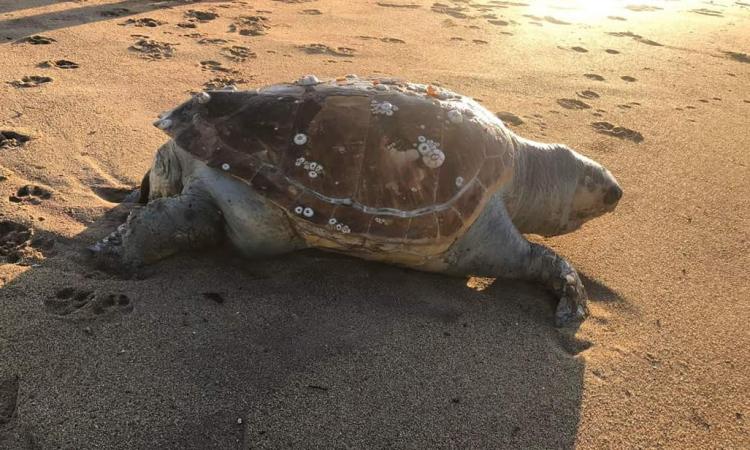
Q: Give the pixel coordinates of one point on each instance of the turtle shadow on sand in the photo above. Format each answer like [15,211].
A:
[306,349]
[76,14]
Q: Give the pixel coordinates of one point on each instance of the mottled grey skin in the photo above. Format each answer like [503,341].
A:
[191,205]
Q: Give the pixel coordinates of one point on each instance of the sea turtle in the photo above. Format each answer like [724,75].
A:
[380,169]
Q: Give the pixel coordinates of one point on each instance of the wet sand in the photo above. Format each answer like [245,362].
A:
[207,350]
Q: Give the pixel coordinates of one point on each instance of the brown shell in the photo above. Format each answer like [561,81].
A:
[371,165]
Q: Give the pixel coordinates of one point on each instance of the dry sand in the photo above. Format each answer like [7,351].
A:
[315,350]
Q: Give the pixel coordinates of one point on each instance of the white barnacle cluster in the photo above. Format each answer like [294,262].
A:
[459,181]
[308,80]
[300,139]
[432,156]
[304,211]
[314,169]
[384,108]
[338,226]
[455,116]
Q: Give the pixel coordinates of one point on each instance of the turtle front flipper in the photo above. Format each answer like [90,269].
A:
[162,228]
[493,247]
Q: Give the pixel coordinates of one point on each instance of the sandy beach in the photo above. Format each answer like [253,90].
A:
[315,350]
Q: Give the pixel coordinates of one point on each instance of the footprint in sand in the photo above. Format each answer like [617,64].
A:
[628,78]
[237,53]
[479,41]
[509,118]
[643,8]
[60,64]
[11,139]
[31,193]
[36,40]
[593,76]
[311,12]
[454,11]
[215,41]
[83,304]
[707,12]
[321,49]
[201,16]
[14,238]
[588,94]
[618,132]
[216,66]
[222,83]
[30,81]
[612,51]
[250,25]
[616,18]
[388,40]
[502,23]
[153,50]
[458,39]
[579,49]
[399,5]
[187,25]
[571,103]
[142,22]
[635,37]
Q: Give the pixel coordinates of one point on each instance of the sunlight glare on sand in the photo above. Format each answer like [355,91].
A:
[589,11]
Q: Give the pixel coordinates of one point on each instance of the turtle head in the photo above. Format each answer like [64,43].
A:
[556,189]
[596,192]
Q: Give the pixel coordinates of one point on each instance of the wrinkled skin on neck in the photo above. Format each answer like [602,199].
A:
[555,189]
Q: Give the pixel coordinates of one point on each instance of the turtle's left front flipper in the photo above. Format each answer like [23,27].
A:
[162,228]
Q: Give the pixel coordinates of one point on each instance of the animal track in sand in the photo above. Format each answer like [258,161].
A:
[707,12]
[14,238]
[321,49]
[201,16]
[31,193]
[36,40]
[510,118]
[636,37]
[30,81]
[153,50]
[588,94]
[311,12]
[216,66]
[142,22]
[60,64]
[616,18]
[628,78]
[237,53]
[579,49]
[502,23]
[398,5]
[11,139]
[571,103]
[295,1]
[219,83]
[250,25]
[479,41]
[593,76]
[612,51]
[618,132]
[187,25]
[83,304]
[628,105]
